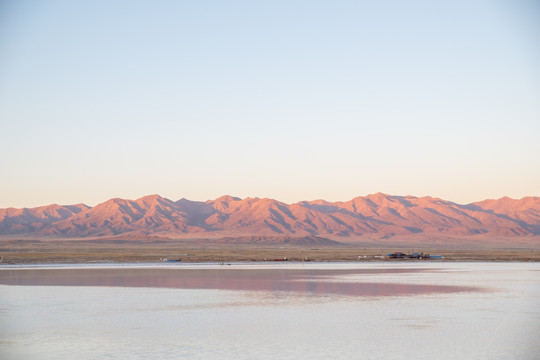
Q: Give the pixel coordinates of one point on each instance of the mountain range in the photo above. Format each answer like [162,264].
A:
[376,216]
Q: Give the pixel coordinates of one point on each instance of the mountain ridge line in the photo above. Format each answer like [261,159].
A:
[377,215]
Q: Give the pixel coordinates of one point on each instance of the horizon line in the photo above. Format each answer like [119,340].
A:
[237,198]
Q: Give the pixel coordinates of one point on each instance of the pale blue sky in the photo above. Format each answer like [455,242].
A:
[293,100]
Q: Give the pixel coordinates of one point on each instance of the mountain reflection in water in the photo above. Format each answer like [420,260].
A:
[308,281]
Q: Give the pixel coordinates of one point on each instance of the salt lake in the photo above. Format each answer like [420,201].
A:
[397,310]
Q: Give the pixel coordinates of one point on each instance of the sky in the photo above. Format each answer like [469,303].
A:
[292,100]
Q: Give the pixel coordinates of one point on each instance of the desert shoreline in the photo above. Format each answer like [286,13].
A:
[85,251]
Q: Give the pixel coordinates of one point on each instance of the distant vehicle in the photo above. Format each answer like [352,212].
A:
[170,260]
[396,255]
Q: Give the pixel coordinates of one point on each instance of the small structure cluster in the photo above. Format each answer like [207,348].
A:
[414,255]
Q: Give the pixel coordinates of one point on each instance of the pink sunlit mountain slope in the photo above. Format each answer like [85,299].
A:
[377,216]
[35,219]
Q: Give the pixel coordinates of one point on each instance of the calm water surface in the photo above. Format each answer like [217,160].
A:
[286,311]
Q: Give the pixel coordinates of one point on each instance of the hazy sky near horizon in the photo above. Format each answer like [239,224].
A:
[292,100]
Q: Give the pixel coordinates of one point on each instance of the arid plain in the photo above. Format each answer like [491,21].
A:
[88,251]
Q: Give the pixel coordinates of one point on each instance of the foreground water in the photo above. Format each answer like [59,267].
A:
[343,311]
